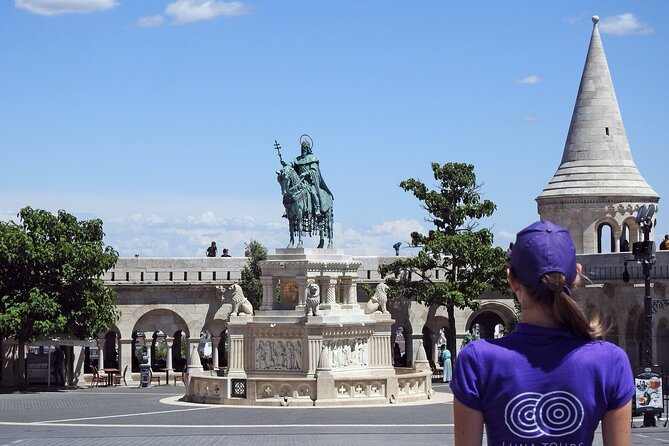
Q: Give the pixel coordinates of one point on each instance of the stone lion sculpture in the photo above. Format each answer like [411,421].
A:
[377,303]
[240,304]
[313,298]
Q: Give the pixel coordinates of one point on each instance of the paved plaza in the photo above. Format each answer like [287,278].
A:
[155,416]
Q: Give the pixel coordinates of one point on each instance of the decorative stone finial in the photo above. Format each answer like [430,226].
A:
[595,19]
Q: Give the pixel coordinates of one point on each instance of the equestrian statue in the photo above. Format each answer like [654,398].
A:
[306,197]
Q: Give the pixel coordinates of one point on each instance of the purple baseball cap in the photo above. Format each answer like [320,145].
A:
[543,247]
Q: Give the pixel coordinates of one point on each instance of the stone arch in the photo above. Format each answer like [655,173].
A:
[400,337]
[488,316]
[218,332]
[629,233]
[436,328]
[633,229]
[152,326]
[606,230]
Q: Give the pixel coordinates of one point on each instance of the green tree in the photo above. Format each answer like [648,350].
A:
[457,262]
[250,282]
[50,268]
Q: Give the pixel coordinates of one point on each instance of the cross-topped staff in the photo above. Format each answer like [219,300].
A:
[278,150]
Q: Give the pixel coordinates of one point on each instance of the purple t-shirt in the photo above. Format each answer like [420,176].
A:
[541,385]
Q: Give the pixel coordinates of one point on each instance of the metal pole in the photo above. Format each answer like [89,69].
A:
[648,309]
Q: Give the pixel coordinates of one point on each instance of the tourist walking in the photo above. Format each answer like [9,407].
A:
[446,364]
[549,381]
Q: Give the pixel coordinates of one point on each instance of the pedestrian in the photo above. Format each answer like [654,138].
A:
[225,253]
[211,251]
[59,366]
[446,364]
[664,246]
[549,381]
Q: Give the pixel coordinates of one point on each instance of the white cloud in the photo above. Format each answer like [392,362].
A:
[624,25]
[183,226]
[533,79]
[530,118]
[188,11]
[209,219]
[55,7]
[150,21]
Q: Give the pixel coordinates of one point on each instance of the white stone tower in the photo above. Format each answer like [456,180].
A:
[597,184]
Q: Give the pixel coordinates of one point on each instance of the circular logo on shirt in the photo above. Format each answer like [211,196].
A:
[531,414]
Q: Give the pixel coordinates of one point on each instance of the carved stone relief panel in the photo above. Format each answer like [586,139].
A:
[273,354]
[350,352]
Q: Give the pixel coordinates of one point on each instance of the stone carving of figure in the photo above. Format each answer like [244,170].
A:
[267,350]
[240,304]
[260,356]
[290,355]
[313,298]
[377,303]
[298,355]
[279,354]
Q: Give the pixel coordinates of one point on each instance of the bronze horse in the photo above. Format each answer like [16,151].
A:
[302,218]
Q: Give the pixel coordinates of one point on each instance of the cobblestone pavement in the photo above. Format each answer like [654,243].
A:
[147,417]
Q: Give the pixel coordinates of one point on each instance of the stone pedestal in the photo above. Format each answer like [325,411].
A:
[287,356]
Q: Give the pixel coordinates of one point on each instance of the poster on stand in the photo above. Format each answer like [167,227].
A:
[648,395]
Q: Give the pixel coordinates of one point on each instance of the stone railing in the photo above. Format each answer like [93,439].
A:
[223,270]
[216,270]
[610,267]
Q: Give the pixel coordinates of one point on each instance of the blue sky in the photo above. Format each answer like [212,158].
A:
[159,116]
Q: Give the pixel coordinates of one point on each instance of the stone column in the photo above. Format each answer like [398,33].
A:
[302,282]
[101,353]
[267,292]
[215,340]
[236,356]
[78,365]
[314,351]
[192,347]
[125,357]
[350,293]
[169,342]
[330,284]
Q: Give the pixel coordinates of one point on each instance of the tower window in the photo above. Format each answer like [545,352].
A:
[607,131]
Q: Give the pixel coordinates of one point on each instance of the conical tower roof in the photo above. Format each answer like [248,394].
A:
[597,160]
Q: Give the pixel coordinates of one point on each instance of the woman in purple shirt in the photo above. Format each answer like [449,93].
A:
[550,381]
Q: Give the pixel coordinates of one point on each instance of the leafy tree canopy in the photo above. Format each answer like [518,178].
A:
[250,282]
[50,268]
[457,262]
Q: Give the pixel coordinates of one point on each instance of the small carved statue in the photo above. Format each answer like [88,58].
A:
[377,303]
[313,298]
[240,304]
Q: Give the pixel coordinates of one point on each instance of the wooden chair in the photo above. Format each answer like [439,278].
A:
[118,378]
[154,378]
[183,376]
[97,379]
